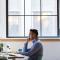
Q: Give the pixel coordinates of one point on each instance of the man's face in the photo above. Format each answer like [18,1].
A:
[32,35]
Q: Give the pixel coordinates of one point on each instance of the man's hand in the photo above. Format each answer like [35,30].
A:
[19,52]
[28,39]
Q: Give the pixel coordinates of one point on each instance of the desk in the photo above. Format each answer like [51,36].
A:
[12,56]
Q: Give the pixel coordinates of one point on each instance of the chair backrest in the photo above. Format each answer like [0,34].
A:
[39,58]
[3,58]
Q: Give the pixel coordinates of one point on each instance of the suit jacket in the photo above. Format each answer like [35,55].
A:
[34,52]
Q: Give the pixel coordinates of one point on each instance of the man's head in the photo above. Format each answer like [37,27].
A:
[33,34]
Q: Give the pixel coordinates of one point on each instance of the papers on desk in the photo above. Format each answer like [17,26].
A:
[13,55]
[17,55]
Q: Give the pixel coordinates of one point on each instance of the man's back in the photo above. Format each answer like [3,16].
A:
[38,52]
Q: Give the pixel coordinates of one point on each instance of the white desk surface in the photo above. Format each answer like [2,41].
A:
[12,55]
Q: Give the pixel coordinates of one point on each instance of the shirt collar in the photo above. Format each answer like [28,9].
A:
[34,40]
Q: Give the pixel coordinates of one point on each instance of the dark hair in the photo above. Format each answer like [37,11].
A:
[34,31]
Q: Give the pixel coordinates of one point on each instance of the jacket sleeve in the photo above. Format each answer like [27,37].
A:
[25,47]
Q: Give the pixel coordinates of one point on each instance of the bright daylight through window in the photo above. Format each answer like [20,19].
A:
[26,14]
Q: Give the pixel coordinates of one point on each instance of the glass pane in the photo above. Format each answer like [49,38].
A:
[32,22]
[16,26]
[32,7]
[16,7]
[49,25]
[59,27]
[49,7]
[59,17]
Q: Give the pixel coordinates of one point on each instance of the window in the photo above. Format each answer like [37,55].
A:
[59,17]
[24,15]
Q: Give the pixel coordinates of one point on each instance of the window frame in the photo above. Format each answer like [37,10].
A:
[32,15]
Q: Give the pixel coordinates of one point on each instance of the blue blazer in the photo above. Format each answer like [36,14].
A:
[34,52]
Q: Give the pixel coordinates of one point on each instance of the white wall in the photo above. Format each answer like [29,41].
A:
[51,51]
[2,18]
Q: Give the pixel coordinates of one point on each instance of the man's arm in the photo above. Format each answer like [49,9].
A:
[33,50]
[25,47]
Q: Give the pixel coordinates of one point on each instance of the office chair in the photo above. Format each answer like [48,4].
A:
[39,58]
[3,58]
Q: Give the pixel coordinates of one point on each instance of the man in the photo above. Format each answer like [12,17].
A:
[36,51]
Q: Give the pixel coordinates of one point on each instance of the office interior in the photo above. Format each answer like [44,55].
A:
[17,17]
